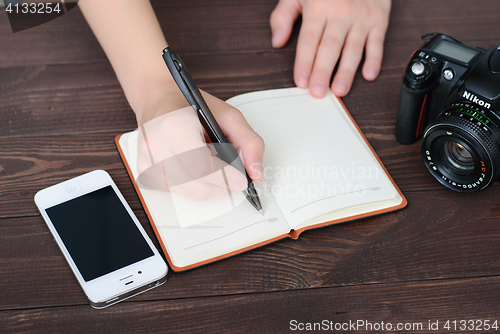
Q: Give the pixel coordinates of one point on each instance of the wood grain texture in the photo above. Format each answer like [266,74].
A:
[408,302]
[61,107]
[31,163]
[409,245]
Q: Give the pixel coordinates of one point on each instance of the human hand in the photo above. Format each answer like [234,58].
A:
[332,30]
[153,94]
[173,154]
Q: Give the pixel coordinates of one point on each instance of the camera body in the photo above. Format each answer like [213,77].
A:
[451,96]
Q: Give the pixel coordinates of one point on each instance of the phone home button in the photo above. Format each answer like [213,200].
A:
[73,188]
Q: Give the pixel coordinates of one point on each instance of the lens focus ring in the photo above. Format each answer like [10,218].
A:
[474,127]
[461,128]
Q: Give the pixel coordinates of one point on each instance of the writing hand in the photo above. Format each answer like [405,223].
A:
[173,154]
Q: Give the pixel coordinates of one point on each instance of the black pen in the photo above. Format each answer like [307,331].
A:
[222,145]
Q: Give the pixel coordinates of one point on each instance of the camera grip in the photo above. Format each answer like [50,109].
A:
[411,115]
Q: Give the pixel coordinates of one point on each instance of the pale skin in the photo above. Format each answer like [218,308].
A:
[333,31]
[131,36]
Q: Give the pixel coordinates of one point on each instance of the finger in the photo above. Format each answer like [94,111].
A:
[307,45]
[349,61]
[282,20]
[195,174]
[252,155]
[241,135]
[170,134]
[249,143]
[220,182]
[200,190]
[199,163]
[374,52]
[234,179]
[327,56]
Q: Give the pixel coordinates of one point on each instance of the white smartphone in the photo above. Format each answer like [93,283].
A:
[104,243]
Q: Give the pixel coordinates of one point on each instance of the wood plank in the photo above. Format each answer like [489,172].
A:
[220,26]
[461,19]
[87,97]
[28,164]
[67,39]
[415,303]
[31,163]
[62,99]
[61,107]
[234,26]
[75,99]
[442,235]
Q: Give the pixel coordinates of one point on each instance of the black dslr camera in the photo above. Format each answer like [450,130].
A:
[453,91]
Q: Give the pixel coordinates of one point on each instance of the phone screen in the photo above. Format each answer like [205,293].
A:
[98,232]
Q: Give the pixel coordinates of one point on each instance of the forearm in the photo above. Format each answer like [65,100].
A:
[129,33]
[132,39]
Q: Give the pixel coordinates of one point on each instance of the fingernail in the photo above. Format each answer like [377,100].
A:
[340,87]
[241,186]
[371,73]
[258,172]
[275,38]
[319,88]
[302,80]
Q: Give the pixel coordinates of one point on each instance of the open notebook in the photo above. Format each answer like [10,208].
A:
[319,170]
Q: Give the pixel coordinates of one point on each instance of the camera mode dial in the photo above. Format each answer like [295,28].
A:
[421,68]
[419,71]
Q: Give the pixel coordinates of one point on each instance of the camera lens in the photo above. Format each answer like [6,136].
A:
[461,148]
[457,157]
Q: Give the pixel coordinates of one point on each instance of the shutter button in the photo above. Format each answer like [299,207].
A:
[418,68]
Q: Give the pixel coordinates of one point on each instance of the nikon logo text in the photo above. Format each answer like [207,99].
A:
[473,98]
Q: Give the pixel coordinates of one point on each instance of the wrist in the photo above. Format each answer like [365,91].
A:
[158,99]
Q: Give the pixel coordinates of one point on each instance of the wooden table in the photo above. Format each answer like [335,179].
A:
[61,107]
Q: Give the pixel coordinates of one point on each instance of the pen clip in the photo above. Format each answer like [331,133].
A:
[179,73]
[193,95]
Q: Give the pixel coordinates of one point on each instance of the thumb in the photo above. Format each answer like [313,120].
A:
[252,154]
[282,19]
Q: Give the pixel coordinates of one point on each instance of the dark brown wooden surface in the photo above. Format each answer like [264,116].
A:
[61,107]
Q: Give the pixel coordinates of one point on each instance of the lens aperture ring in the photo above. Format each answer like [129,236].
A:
[477,128]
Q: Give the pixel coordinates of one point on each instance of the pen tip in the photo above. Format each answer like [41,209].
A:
[261,212]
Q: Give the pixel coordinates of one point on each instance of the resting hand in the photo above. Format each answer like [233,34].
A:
[174,156]
[333,30]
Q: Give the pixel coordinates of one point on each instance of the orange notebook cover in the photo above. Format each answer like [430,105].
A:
[319,170]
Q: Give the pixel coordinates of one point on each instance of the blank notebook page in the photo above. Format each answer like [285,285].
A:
[315,160]
[211,236]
